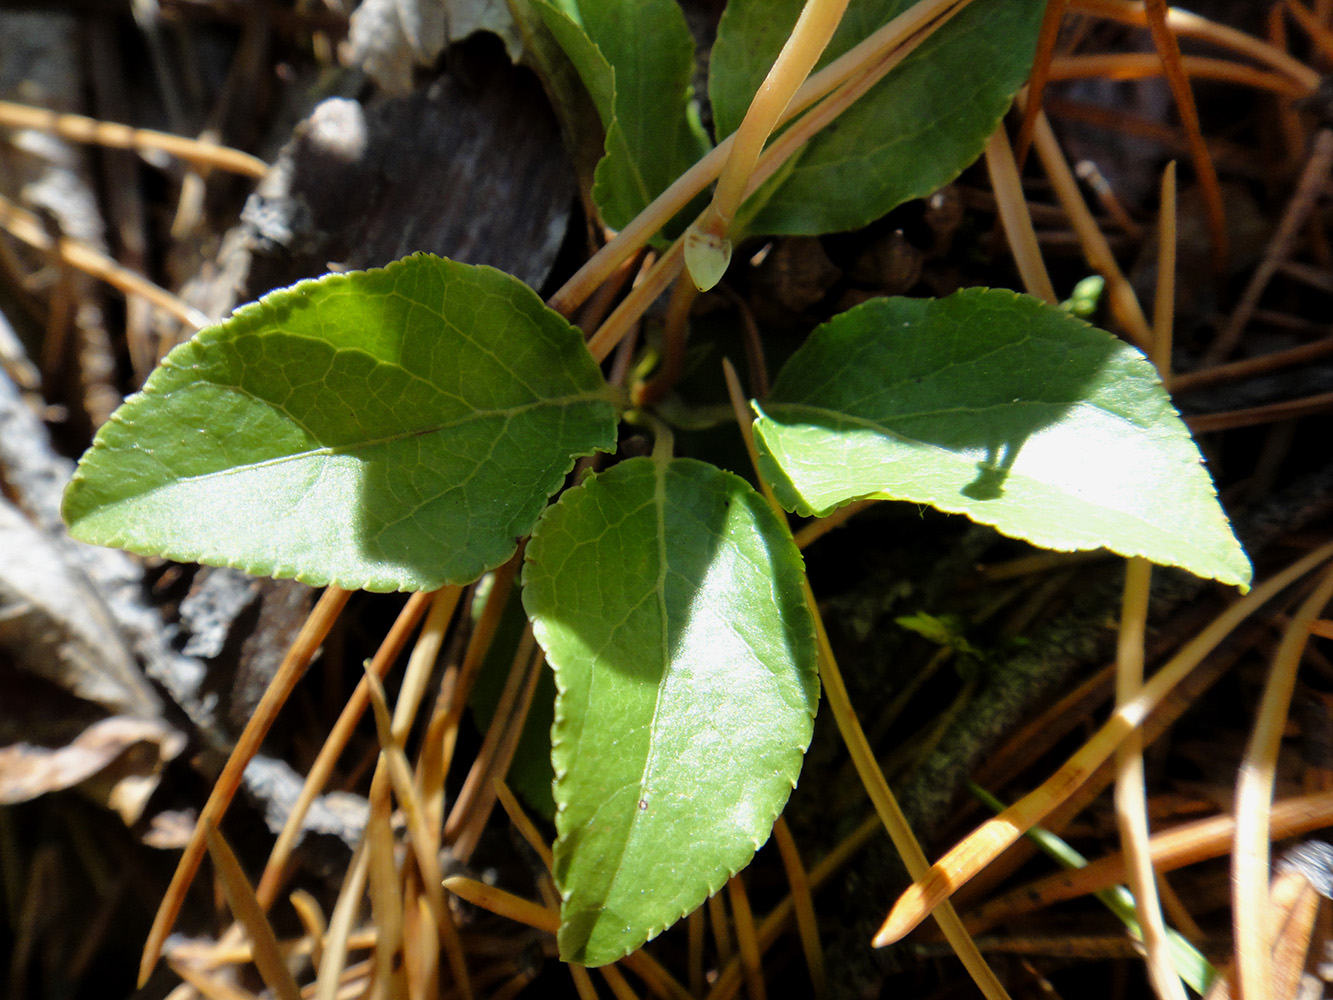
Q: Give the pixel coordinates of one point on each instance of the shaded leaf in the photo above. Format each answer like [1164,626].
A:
[636,58]
[668,598]
[997,406]
[909,135]
[390,429]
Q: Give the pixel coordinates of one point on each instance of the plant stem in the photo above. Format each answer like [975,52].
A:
[863,58]
[806,43]
[853,74]
[863,757]
[1131,804]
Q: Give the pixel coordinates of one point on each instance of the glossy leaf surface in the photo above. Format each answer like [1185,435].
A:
[913,132]
[668,598]
[394,429]
[997,406]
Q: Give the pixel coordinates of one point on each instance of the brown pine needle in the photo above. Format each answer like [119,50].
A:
[1168,48]
[1041,69]
[504,904]
[720,923]
[386,898]
[423,842]
[1313,178]
[311,915]
[1131,797]
[247,911]
[25,226]
[868,58]
[298,657]
[1164,299]
[729,980]
[582,982]
[334,745]
[336,945]
[1015,217]
[620,988]
[209,987]
[1185,844]
[522,823]
[1269,413]
[987,841]
[1144,65]
[476,799]
[1120,295]
[1182,22]
[113,135]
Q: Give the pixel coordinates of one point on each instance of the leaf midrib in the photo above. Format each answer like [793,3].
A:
[475,416]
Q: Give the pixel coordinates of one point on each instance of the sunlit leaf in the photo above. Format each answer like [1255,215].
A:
[399,428]
[913,132]
[997,406]
[668,598]
[636,58]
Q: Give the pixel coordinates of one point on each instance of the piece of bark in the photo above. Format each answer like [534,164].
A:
[469,167]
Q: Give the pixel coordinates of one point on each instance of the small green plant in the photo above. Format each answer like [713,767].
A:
[405,428]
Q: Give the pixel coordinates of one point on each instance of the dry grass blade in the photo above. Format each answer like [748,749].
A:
[985,843]
[1254,795]
[303,649]
[245,907]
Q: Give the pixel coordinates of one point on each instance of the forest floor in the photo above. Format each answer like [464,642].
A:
[125,683]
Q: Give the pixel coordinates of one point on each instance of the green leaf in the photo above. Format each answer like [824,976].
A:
[636,58]
[911,133]
[390,429]
[668,598]
[997,406]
